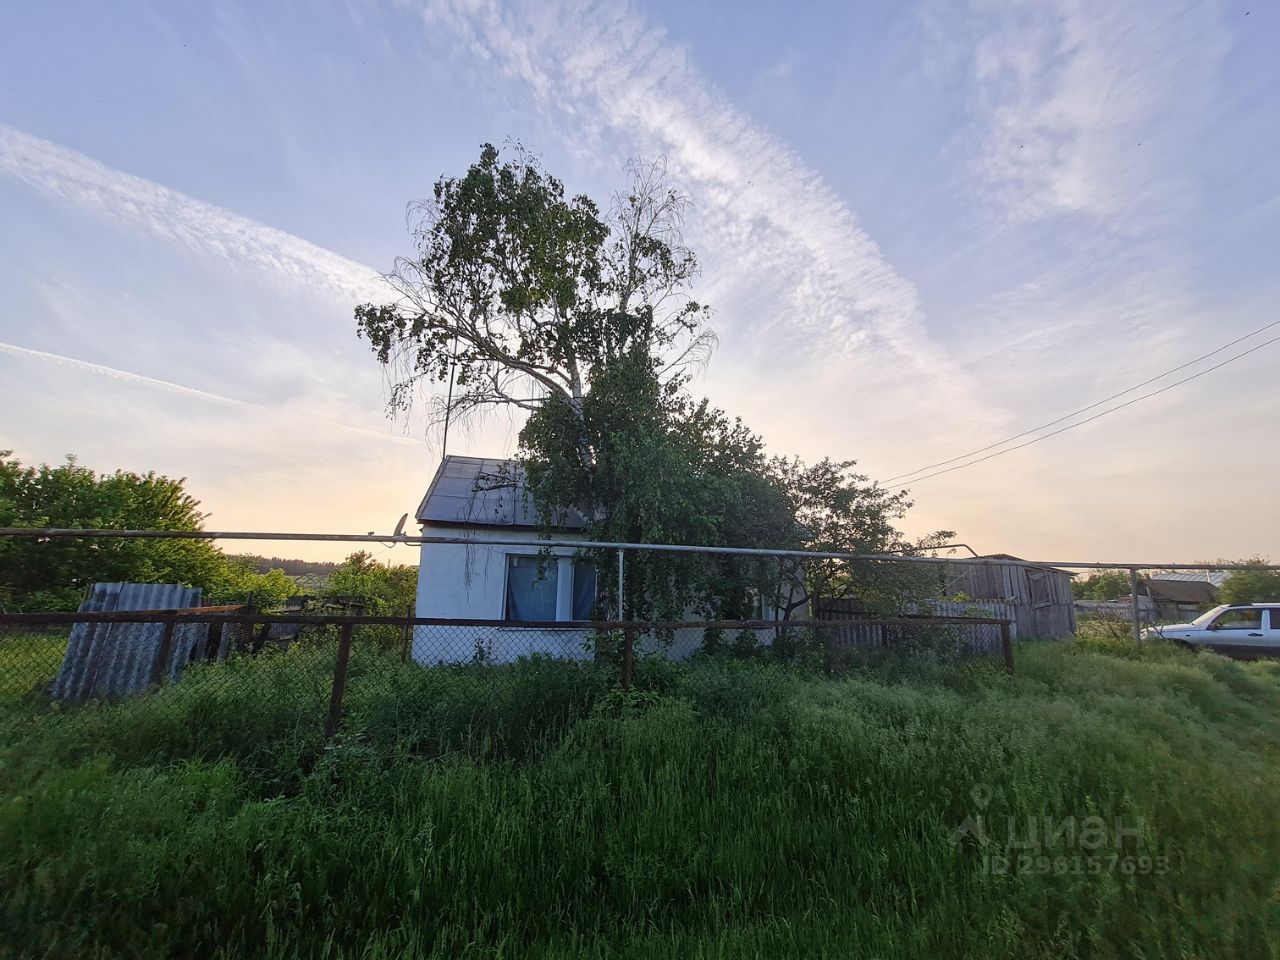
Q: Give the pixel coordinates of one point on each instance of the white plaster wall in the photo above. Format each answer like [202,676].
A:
[468,581]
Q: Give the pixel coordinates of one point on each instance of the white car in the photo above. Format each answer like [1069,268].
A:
[1240,630]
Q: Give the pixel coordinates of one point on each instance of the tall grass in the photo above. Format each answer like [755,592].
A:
[719,809]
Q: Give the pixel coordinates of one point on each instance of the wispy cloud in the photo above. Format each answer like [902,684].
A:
[123,376]
[783,241]
[192,393]
[1083,104]
[178,219]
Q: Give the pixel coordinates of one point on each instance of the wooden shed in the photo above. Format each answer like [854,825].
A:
[1040,597]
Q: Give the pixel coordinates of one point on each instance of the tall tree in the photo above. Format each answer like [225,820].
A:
[666,469]
[537,302]
[525,294]
[837,510]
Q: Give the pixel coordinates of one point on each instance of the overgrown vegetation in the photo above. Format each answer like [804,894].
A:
[1103,585]
[721,808]
[387,590]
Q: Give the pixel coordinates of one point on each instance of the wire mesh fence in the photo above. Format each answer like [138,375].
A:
[409,684]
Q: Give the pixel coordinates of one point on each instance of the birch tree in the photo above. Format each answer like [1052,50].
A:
[524,294]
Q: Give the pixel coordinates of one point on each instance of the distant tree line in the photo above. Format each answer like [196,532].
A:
[1257,585]
[291,567]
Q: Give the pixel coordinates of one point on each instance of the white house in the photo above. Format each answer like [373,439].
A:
[482,499]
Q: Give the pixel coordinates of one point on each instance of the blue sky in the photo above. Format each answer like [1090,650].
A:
[924,227]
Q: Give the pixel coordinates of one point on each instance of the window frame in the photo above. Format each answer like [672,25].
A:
[565,583]
[1217,621]
[504,613]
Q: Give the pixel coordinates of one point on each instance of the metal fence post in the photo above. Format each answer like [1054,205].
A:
[1006,644]
[1133,606]
[339,682]
[406,639]
[162,655]
[628,654]
[620,554]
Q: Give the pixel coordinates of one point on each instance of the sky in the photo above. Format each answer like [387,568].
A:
[923,228]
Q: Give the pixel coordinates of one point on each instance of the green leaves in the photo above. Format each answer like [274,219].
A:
[1252,586]
[524,293]
[52,574]
[1108,585]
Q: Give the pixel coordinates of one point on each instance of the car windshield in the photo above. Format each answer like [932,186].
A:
[1204,618]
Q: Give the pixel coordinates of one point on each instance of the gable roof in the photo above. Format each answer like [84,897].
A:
[483,492]
[1216,577]
[1181,591]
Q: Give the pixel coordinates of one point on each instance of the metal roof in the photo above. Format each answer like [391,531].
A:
[1180,591]
[1216,577]
[483,491]
[115,659]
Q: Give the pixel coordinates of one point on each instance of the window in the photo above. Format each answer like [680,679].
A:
[549,588]
[1039,584]
[532,588]
[1239,620]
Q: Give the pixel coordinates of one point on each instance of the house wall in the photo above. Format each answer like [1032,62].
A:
[468,582]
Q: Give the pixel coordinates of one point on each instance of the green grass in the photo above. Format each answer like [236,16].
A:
[28,660]
[721,809]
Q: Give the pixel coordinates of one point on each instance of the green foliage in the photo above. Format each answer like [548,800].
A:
[290,567]
[238,581]
[662,469]
[526,293]
[387,591]
[839,511]
[52,574]
[1109,585]
[720,809]
[1252,586]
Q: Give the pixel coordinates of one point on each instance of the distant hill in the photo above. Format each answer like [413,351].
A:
[294,568]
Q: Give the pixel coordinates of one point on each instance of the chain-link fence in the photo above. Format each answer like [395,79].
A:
[411,684]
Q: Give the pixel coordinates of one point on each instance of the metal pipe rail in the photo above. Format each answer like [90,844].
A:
[393,538]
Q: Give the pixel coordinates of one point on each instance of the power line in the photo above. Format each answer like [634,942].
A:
[1076,413]
[1096,416]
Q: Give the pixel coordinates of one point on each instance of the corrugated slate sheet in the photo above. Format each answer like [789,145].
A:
[117,659]
[482,491]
